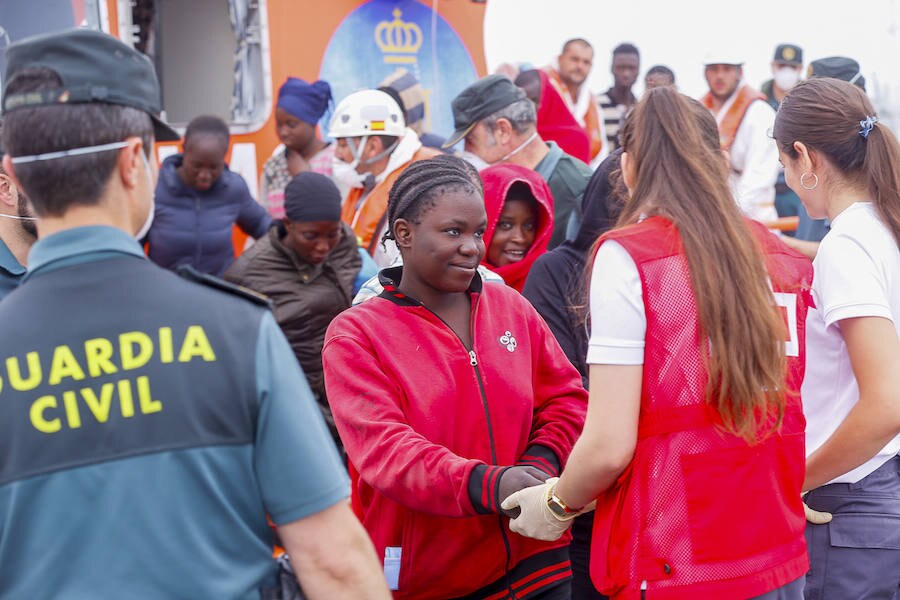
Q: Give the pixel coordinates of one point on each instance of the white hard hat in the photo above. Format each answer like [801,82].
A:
[367,112]
[722,57]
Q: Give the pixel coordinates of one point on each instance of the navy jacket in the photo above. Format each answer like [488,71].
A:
[194,228]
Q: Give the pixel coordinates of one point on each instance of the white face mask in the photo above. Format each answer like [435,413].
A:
[481,164]
[474,160]
[519,149]
[145,228]
[786,78]
[346,172]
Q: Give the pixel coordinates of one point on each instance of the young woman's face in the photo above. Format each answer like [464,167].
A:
[313,241]
[445,247]
[203,161]
[515,232]
[292,132]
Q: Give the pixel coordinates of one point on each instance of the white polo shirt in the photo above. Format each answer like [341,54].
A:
[857,274]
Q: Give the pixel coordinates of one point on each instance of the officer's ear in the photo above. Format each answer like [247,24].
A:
[129,165]
[9,194]
[12,181]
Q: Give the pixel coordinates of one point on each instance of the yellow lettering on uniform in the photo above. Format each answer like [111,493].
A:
[64,365]
[37,415]
[71,403]
[166,350]
[126,402]
[99,406]
[98,352]
[14,372]
[127,341]
[196,344]
[148,404]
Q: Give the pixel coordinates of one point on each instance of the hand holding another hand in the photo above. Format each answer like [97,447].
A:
[516,478]
[535,519]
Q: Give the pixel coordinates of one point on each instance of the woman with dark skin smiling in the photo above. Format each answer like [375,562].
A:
[520,220]
[449,395]
[306,265]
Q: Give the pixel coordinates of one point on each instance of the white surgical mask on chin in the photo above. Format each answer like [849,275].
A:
[474,160]
[346,172]
[481,164]
[517,150]
[786,78]
[148,222]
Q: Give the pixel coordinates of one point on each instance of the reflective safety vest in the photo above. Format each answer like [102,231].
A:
[699,513]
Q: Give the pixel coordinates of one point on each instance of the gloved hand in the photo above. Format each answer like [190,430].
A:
[514,479]
[814,516]
[536,520]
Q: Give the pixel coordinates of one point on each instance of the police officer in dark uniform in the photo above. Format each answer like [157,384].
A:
[786,71]
[148,423]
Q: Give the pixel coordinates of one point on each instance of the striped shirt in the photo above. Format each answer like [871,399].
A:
[613,115]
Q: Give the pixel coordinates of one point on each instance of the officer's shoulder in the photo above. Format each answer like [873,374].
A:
[220,285]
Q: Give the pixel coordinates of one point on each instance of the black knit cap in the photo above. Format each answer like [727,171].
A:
[311,197]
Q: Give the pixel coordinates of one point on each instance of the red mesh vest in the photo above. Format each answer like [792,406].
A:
[699,513]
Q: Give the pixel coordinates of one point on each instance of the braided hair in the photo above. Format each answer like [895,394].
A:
[423,182]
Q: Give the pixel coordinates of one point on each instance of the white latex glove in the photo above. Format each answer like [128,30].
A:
[813,516]
[536,519]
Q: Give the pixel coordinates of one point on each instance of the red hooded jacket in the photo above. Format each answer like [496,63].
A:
[429,428]
[498,179]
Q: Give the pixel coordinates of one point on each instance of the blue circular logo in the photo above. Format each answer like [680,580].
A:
[382,36]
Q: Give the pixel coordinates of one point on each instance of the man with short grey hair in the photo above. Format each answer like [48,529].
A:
[499,124]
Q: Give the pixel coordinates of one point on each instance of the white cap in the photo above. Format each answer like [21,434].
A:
[722,57]
[367,112]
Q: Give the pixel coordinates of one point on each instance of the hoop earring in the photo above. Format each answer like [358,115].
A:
[815,183]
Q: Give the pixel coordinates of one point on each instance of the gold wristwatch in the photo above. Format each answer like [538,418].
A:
[559,508]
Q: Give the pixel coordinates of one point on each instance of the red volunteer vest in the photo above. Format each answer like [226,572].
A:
[699,513]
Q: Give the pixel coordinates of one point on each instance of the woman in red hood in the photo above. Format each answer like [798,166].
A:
[519,208]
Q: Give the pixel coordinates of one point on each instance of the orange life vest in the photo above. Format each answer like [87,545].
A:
[729,125]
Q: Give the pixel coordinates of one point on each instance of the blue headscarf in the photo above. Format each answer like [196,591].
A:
[306,101]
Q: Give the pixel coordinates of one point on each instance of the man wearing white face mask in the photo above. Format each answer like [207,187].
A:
[499,124]
[373,146]
[787,65]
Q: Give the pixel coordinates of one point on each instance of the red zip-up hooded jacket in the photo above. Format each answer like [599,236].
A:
[429,426]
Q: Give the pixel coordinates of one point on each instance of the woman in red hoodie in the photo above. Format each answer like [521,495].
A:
[519,209]
[449,395]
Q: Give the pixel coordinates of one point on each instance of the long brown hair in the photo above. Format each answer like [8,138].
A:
[680,174]
[825,114]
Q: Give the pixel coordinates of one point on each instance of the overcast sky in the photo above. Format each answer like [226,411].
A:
[678,33]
